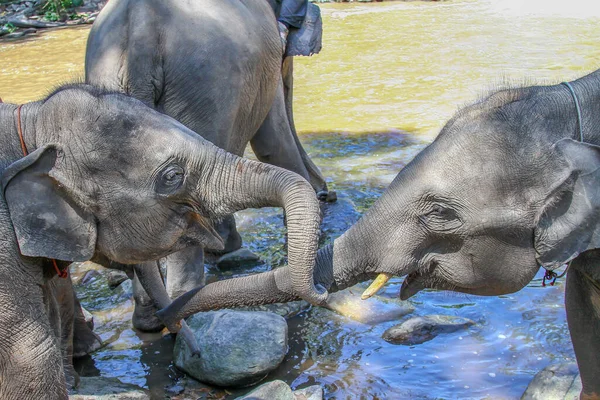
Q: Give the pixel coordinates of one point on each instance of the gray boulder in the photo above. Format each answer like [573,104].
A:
[372,311]
[314,392]
[555,382]
[99,388]
[279,390]
[275,390]
[238,348]
[417,330]
[239,258]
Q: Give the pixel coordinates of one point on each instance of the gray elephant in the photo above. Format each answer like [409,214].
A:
[215,66]
[107,178]
[509,185]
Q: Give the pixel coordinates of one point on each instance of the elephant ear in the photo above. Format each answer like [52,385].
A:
[570,222]
[43,209]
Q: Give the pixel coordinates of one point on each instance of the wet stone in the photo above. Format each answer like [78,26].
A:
[555,382]
[175,389]
[196,390]
[89,277]
[314,392]
[275,390]
[418,330]
[99,388]
[371,311]
[238,348]
[238,258]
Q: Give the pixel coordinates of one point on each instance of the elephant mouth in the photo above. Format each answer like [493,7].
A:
[413,284]
[418,280]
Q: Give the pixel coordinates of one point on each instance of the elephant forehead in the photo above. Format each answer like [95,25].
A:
[487,177]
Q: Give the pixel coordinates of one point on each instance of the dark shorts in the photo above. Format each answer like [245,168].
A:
[293,12]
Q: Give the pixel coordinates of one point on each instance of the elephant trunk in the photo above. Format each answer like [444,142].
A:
[332,271]
[232,183]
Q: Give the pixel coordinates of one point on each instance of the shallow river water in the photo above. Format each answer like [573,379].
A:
[388,78]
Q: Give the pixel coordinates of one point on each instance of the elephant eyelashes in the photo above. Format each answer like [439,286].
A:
[170,179]
[441,219]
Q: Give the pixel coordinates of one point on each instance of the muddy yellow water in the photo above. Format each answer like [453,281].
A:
[383,66]
[397,71]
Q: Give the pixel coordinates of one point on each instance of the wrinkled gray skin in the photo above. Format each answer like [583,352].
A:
[504,188]
[215,66]
[109,178]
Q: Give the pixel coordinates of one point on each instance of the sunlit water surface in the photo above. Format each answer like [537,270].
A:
[388,78]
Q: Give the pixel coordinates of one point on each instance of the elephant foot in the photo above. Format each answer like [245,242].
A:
[85,342]
[238,258]
[145,319]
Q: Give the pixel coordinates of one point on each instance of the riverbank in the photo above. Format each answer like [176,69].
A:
[19,18]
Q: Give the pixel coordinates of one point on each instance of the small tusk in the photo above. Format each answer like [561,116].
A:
[376,285]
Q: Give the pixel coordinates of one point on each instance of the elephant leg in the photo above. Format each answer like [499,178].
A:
[582,301]
[151,279]
[274,141]
[61,312]
[30,357]
[185,270]
[316,178]
[144,318]
[85,341]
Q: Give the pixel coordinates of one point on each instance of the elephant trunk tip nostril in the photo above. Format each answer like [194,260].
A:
[317,297]
[327,196]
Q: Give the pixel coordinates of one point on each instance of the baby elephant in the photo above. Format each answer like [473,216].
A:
[511,184]
[88,174]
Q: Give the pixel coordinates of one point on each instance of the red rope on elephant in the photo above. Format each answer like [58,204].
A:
[20,131]
[61,274]
[1,100]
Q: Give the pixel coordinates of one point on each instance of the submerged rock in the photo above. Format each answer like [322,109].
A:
[238,348]
[314,392]
[275,390]
[90,276]
[417,330]
[555,382]
[99,388]
[279,390]
[238,258]
[371,311]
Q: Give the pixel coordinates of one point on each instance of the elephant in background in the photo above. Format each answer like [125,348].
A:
[511,184]
[216,67]
[107,178]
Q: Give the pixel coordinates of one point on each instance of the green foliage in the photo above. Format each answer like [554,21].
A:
[9,28]
[56,10]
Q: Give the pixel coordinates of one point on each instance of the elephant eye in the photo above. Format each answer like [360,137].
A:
[170,179]
[441,219]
